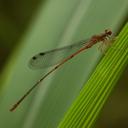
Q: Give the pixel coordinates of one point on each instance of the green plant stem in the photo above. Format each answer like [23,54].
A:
[88,104]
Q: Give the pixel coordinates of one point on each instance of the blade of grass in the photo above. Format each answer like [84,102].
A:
[85,109]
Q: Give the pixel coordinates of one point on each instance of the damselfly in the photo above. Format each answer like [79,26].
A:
[42,59]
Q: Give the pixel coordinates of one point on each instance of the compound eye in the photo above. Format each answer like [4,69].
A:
[108,32]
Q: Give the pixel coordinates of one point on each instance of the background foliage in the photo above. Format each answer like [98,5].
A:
[29,27]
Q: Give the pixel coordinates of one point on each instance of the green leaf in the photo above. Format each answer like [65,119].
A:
[84,111]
